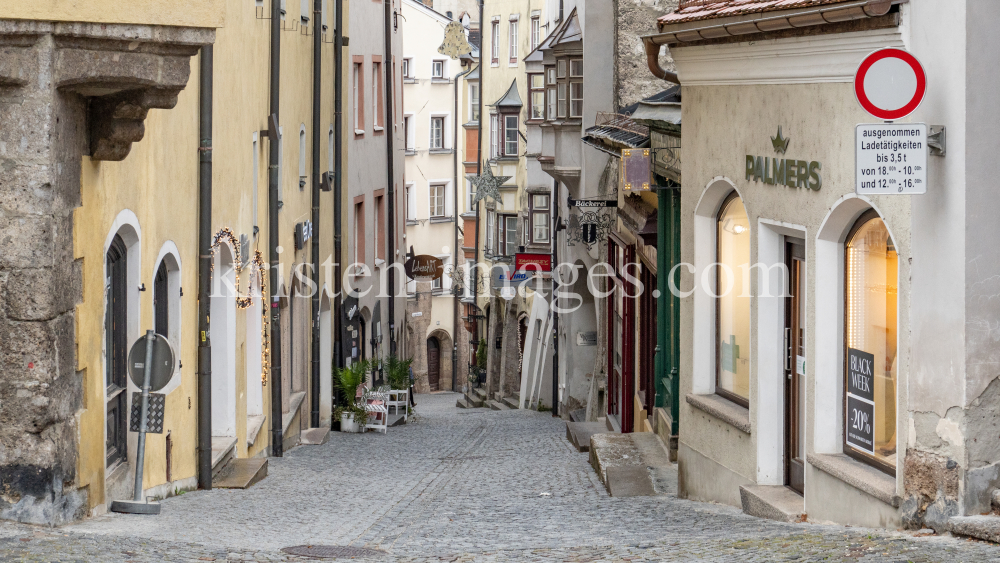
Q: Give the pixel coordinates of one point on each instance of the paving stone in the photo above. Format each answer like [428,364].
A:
[458,485]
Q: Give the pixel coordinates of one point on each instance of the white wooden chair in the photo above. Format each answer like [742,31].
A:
[399,398]
[374,403]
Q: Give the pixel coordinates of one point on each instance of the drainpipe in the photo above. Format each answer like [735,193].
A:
[479,171]
[555,316]
[277,440]
[653,62]
[390,133]
[317,90]
[454,265]
[205,270]
[338,157]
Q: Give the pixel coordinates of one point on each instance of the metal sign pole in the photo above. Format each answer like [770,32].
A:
[141,454]
[138,504]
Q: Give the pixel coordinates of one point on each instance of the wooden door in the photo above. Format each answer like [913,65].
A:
[433,363]
[795,354]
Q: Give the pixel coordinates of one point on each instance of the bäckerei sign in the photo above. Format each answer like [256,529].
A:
[784,171]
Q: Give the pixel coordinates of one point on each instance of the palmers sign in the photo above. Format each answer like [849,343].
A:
[784,171]
[424,267]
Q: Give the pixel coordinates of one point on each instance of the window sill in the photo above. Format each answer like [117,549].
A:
[379,262]
[409,81]
[511,65]
[378,129]
[861,476]
[409,152]
[505,158]
[442,219]
[440,80]
[411,222]
[471,125]
[440,151]
[494,64]
[359,132]
[725,410]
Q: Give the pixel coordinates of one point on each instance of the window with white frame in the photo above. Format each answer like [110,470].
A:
[510,135]
[506,233]
[470,192]
[511,238]
[536,35]
[540,218]
[302,156]
[490,230]
[437,69]
[376,95]
[474,102]
[495,41]
[512,47]
[408,133]
[356,86]
[304,11]
[411,203]
[562,88]
[550,93]
[406,67]
[437,132]
[437,196]
[494,135]
[536,87]
[576,88]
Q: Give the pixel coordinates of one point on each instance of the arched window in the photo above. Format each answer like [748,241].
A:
[116,348]
[732,304]
[870,293]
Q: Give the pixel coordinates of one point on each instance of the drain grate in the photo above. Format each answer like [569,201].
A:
[332,551]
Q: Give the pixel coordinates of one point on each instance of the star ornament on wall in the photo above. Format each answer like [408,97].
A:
[487,184]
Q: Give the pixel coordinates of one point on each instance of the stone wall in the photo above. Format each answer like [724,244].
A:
[635,18]
[66,89]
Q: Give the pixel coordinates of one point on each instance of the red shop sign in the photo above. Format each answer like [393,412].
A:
[533,262]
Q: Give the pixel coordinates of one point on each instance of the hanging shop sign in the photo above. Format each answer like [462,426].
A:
[860,414]
[635,172]
[502,275]
[890,158]
[890,83]
[784,171]
[533,262]
[303,232]
[424,268]
[593,203]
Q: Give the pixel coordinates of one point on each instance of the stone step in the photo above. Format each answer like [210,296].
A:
[498,406]
[980,527]
[223,452]
[473,400]
[636,464]
[511,402]
[241,473]
[774,502]
[315,436]
[481,393]
[463,403]
[579,433]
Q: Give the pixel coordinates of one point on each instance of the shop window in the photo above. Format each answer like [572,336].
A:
[871,267]
[732,354]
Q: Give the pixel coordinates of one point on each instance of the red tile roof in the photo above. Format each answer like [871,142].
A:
[695,10]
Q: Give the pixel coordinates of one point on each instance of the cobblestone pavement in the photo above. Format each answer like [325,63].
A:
[458,485]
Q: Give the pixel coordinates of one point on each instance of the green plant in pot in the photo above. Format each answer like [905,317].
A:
[398,372]
[352,416]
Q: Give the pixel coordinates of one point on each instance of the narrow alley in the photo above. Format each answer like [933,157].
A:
[457,485]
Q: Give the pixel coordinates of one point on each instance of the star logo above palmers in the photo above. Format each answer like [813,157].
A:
[487,184]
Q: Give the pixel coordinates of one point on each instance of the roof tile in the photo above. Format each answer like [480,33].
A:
[695,10]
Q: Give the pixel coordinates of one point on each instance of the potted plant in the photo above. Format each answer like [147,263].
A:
[352,415]
[398,372]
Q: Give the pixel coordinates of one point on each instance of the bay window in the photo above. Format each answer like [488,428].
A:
[540,218]
[510,135]
[550,92]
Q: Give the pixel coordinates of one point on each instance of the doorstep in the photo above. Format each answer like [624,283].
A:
[985,527]
[774,502]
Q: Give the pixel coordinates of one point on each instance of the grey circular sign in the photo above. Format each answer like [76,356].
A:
[162,368]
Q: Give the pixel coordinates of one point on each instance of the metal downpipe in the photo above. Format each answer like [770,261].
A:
[338,175]
[277,440]
[205,269]
[317,91]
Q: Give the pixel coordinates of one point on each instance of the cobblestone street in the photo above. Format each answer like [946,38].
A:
[458,485]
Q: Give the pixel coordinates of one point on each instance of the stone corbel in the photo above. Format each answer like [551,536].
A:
[116,121]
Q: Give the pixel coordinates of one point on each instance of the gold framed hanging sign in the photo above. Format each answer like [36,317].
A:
[635,172]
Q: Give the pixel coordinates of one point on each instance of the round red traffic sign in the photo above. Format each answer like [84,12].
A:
[890,83]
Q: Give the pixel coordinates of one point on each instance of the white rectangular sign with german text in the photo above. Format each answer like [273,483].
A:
[891,158]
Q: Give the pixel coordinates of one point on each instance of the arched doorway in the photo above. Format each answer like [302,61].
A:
[433,363]
[223,338]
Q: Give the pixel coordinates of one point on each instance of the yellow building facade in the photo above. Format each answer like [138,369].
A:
[126,239]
